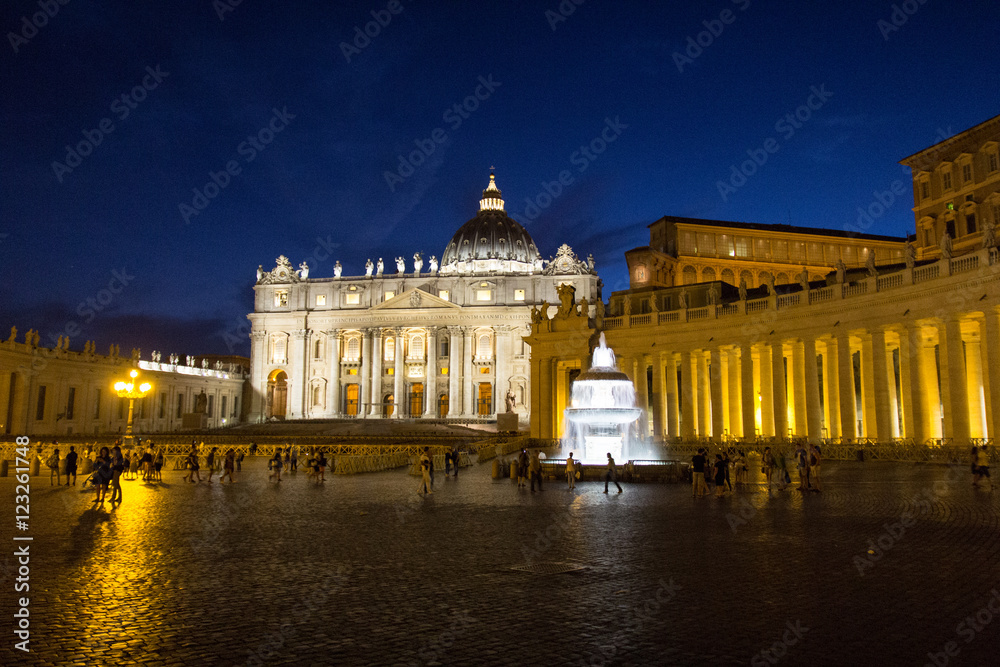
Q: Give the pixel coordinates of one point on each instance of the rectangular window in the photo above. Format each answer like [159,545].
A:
[742,244]
[352,371]
[320,299]
[688,243]
[211,404]
[444,347]
[352,299]
[483,294]
[966,173]
[180,405]
[390,371]
[925,189]
[780,250]
[97,404]
[222,412]
[970,223]
[994,162]
[40,408]
[444,370]
[706,243]
[163,405]
[236,406]
[484,370]
[388,295]
[281,298]
[121,408]
[443,294]
[519,295]
[946,180]
[70,402]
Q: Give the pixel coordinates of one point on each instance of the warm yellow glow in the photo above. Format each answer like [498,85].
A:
[144,387]
[131,389]
[133,374]
[119,386]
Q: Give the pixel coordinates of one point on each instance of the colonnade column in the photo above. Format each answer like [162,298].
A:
[455,372]
[845,386]
[930,384]
[733,392]
[796,384]
[953,381]
[991,358]
[659,398]
[336,344]
[779,400]
[364,395]
[399,374]
[673,398]
[535,403]
[687,396]
[704,396]
[258,358]
[430,373]
[748,399]
[766,392]
[468,389]
[718,413]
[910,384]
[642,394]
[376,379]
[832,388]
[299,362]
[880,387]
[974,371]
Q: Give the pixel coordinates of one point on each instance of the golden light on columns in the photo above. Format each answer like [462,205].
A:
[130,391]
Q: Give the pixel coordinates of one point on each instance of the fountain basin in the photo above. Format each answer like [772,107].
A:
[603,415]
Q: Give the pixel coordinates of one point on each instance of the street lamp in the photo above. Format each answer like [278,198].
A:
[131,391]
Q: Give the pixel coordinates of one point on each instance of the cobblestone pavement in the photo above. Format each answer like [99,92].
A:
[362,570]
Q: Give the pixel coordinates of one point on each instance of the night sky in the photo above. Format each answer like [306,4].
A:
[338,110]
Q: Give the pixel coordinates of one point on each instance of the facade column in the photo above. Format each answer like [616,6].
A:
[539,410]
[991,359]
[468,381]
[399,374]
[455,374]
[673,398]
[642,394]
[704,396]
[779,401]
[718,411]
[258,388]
[748,398]
[501,366]
[868,397]
[364,393]
[299,363]
[954,381]
[766,392]
[687,396]
[378,354]
[659,397]
[910,384]
[733,392]
[797,385]
[890,370]
[814,422]
[931,394]
[430,373]
[974,371]
[845,385]
[831,386]
[336,345]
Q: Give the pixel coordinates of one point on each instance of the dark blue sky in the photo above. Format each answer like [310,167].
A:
[321,181]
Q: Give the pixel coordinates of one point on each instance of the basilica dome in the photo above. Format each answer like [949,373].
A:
[491,243]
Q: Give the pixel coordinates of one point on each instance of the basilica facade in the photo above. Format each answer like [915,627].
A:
[425,339]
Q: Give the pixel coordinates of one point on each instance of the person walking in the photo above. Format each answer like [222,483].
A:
[698,488]
[425,473]
[239,462]
[522,468]
[210,463]
[228,466]
[193,467]
[815,458]
[974,460]
[158,465]
[729,464]
[767,467]
[275,466]
[295,460]
[102,474]
[71,465]
[611,475]
[571,472]
[983,465]
[454,459]
[802,465]
[288,457]
[720,476]
[535,470]
[321,466]
[781,467]
[117,468]
[53,464]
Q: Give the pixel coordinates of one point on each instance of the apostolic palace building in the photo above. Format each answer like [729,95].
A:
[734,330]
[432,339]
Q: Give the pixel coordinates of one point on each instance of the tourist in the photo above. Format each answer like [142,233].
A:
[228,466]
[275,466]
[288,457]
[983,464]
[720,476]
[522,468]
[53,464]
[71,465]
[729,464]
[611,475]
[454,460]
[158,465]
[192,464]
[210,463]
[974,459]
[147,464]
[295,460]
[781,465]
[426,486]
[742,469]
[802,465]
[133,460]
[321,466]
[117,468]
[239,462]
[698,488]
[535,470]
[447,464]
[102,474]
[767,466]
[571,473]
[815,457]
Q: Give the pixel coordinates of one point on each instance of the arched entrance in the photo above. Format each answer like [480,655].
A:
[277,394]
[351,400]
[388,405]
[416,399]
[443,406]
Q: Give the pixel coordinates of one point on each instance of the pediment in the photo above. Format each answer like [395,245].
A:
[415,299]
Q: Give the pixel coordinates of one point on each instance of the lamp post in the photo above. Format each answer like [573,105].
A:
[131,391]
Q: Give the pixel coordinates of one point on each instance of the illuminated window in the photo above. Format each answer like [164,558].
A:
[483,347]
[742,246]
[485,370]
[352,371]
[390,371]
[279,346]
[483,294]
[519,295]
[281,298]
[417,347]
[444,370]
[640,274]
[352,299]
[389,353]
[320,299]
[389,294]
[443,294]
[353,349]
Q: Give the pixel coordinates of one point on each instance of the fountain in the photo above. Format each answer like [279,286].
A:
[602,410]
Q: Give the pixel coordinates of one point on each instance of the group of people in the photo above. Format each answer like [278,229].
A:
[148,460]
[228,464]
[773,467]
[426,466]
[315,470]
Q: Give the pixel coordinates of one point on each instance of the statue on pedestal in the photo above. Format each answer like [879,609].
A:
[260,272]
[510,400]
[743,289]
[13,334]
[627,307]
[380,267]
[945,246]
[400,265]
[304,271]
[683,299]
[590,262]
[418,263]
[770,285]
[911,254]
[841,271]
[201,402]
[870,264]
[337,269]
[804,279]
[369,267]
[713,294]
[434,264]
[989,236]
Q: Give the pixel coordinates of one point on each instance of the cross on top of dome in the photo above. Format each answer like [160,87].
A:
[491,200]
